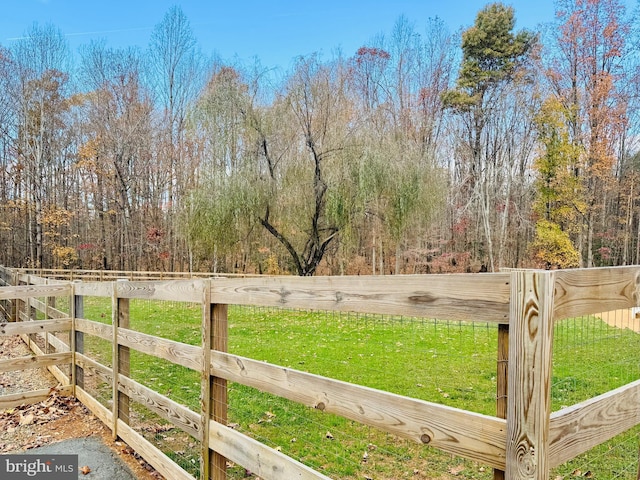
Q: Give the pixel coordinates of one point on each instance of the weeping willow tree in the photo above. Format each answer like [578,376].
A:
[281,166]
[301,172]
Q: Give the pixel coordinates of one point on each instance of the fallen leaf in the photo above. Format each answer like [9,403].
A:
[26,419]
[456,470]
[85,470]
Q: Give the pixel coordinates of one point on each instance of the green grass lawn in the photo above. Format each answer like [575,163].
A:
[452,363]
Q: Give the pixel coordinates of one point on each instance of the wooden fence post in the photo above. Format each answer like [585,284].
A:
[15,307]
[502,380]
[214,389]
[47,345]
[205,380]
[121,358]
[77,312]
[529,400]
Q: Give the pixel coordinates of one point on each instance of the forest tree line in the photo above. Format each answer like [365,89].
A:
[424,151]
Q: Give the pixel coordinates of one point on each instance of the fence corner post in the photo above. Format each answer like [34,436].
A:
[529,379]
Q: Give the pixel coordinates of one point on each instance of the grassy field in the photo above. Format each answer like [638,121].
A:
[452,363]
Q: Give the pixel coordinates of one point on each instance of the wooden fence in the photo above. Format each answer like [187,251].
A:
[525,443]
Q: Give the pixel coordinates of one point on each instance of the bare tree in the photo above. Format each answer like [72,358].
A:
[176,76]
[117,152]
[41,59]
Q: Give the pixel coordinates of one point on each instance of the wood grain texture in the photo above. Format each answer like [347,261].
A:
[97,329]
[94,289]
[261,460]
[188,356]
[24,363]
[576,429]
[594,290]
[472,297]
[155,457]
[529,400]
[173,412]
[24,292]
[478,437]
[173,290]
[29,398]
[38,326]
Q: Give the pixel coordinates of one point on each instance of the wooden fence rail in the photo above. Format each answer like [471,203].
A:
[525,445]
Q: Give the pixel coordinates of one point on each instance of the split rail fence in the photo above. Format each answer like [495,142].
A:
[524,440]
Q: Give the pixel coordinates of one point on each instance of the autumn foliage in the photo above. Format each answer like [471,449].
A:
[422,151]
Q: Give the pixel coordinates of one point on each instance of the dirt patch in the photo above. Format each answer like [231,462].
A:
[622,319]
[54,419]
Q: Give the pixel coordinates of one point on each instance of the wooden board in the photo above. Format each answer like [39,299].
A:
[24,363]
[101,330]
[29,398]
[594,290]
[93,289]
[55,371]
[58,345]
[155,457]
[24,292]
[180,353]
[19,328]
[576,429]
[99,410]
[262,461]
[173,290]
[177,414]
[472,297]
[478,437]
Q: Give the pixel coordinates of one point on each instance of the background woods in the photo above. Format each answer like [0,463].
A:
[423,151]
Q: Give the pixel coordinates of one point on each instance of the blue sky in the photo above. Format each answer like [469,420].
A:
[274,31]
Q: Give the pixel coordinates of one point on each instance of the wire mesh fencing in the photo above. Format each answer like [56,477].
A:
[593,355]
[446,362]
